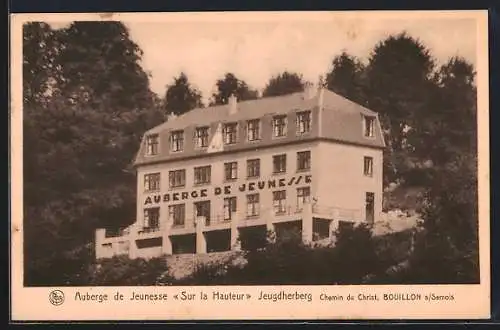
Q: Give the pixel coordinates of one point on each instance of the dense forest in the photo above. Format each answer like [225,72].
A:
[87,101]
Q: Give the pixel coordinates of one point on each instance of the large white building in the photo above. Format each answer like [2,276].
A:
[212,175]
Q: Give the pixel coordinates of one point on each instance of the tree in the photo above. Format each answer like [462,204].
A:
[230,84]
[346,78]
[448,242]
[399,88]
[82,137]
[284,83]
[453,111]
[39,51]
[181,97]
[100,63]
[446,246]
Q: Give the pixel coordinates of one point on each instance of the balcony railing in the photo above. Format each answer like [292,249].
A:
[222,217]
[337,213]
[116,232]
[146,230]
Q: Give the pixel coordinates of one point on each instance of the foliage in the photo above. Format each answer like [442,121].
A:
[284,83]
[120,270]
[61,268]
[288,261]
[39,52]
[347,78]
[181,97]
[446,244]
[229,85]
[446,249]
[100,64]
[399,89]
[455,97]
[83,121]
[215,273]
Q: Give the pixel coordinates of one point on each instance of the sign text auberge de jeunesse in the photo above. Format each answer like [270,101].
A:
[228,189]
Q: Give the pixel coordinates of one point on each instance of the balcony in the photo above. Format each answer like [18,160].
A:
[111,233]
[216,221]
[181,227]
[337,213]
[148,230]
[113,242]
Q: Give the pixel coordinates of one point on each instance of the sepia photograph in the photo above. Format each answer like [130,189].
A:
[247,150]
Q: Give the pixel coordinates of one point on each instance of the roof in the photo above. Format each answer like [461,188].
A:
[258,108]
[340,120]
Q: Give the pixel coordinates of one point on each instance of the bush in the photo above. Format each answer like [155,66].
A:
[67,268]
[122,271]
[215,273]
[288,261]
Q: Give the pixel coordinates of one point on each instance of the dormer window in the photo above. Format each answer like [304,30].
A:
[303,122]
[201,137]
[152,144]
[230,133]
[368,126]
[253,129]
[177,141]
[279,125]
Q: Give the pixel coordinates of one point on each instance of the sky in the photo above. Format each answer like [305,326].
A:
[255,47]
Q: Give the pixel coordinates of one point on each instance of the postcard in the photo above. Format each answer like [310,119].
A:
[250,166]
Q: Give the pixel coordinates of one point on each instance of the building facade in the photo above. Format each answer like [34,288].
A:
[220,178]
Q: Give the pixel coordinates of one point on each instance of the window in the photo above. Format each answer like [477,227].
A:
[177,214]
[303,197]
[368,166]
[303,160]
[229,207]
[253,168]
[279,126]
[152,218]
[231,171]
[370,207]
[279,163]
[252,205]
[177,178]
[202,174]
[303,122]
[202,209]
[253,130]
[230,131]
[152,182]
[177,141]
[369,123]
[279,198]
[152,145]
[201,137]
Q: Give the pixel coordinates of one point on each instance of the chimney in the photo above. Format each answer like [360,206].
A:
[171,116]
[309,91]
[321,93]
[232,101]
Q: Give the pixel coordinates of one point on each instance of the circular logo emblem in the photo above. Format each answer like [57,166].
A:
[56,297]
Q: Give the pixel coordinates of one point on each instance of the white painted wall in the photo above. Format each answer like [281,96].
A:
[340,181]
[217,179]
